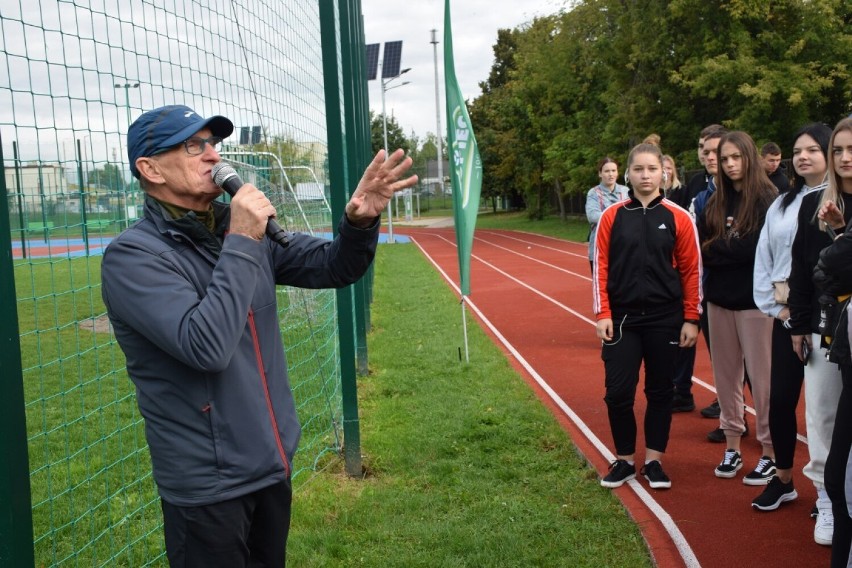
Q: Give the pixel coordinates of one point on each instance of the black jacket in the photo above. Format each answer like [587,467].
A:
[809,242]
[780,180]
[833,274]
[684,195]
[729,263]
[647,262]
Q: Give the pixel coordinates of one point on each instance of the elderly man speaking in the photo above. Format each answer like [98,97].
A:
[190,292]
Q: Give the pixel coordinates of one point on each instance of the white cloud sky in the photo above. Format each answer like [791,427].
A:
[475,24]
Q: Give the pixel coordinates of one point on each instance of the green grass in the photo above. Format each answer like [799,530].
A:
[94,502]
[573,228]
[94,499]
[465,466]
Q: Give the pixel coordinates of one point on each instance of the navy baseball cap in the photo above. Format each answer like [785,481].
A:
[160,129]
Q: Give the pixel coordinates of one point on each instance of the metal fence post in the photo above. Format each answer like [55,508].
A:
[340,184]
[356,117]
[16,519]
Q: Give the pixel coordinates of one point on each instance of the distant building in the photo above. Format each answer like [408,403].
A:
[40,183]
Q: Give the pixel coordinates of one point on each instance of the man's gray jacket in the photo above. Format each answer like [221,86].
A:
[197,319]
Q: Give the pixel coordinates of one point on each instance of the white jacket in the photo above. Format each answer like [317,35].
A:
[773,260]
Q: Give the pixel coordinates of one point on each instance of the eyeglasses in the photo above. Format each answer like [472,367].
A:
[195,145]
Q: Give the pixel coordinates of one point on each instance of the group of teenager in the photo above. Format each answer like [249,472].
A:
[762,264]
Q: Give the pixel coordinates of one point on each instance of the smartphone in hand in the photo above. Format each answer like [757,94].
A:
[806,352]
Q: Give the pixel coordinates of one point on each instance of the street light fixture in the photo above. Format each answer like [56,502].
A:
[385,89]
[127,87]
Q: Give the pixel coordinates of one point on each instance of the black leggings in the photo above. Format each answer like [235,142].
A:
[835,472]
[786,379]
[622,357]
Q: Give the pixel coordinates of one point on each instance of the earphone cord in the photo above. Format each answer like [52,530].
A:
[620,334]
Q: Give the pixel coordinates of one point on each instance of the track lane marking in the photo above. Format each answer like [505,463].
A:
[511,238]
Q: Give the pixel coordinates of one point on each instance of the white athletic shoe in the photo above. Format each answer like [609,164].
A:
[824,527]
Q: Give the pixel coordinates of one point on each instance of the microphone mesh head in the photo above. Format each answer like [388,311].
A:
[221,172]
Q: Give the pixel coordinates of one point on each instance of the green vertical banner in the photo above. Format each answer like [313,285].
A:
[465,164]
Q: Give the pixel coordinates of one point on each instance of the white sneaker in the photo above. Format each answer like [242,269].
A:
[824,527]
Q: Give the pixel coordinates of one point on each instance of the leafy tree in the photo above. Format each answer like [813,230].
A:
[109,177]
[396,136]
[596,79]
[775,65]
[495,132]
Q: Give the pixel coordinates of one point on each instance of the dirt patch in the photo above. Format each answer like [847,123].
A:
[99,324]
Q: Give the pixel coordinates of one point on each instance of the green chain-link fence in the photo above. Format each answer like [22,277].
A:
[73,75]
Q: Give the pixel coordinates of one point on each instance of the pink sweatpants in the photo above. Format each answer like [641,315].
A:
[737,336]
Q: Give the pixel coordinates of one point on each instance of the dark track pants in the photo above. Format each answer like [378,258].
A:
[657,347]
[684,366]
[247,532]
[835,472]
[786,378]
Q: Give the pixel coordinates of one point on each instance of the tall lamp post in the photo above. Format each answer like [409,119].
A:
[126,87]
[385,88]
[439,136]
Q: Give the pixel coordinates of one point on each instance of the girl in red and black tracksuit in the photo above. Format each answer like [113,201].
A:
[647,297]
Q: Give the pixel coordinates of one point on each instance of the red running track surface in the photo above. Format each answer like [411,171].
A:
[533,296]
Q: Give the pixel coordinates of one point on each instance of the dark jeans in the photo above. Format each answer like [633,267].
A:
[247,532]
[786,379]
[622,357]
[684,365]
[835,472]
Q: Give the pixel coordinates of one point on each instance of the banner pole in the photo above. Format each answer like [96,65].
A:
[464,326]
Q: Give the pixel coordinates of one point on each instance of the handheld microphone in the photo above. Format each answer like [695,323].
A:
[229,180]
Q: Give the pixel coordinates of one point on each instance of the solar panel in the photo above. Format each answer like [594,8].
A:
[372,60]
[391,59]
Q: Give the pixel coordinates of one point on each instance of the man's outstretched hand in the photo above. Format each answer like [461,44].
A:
[380,181]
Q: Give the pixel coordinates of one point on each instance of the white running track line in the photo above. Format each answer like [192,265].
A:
[522,255]
[538,244]
[665,519]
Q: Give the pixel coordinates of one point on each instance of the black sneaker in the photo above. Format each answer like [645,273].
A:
[657,479]
[717,436]
[762,474]
[683,403]
[776,492]
[711,411]
[731,464]
[619,472]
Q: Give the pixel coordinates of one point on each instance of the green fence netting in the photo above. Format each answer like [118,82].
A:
[73,75]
